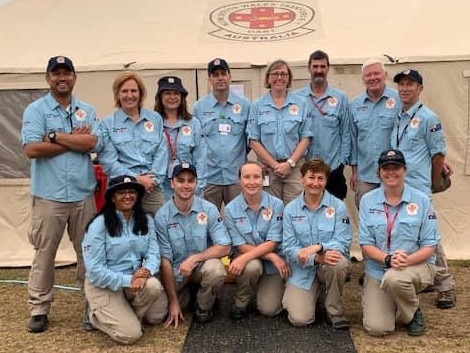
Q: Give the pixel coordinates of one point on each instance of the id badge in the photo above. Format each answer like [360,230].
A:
[266,180]
[172,166]
[224,129]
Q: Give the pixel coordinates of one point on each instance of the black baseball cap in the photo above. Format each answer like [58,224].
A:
[392,157]
[411,74]
[58,62]
[184,167]
[171,83]
[217,63]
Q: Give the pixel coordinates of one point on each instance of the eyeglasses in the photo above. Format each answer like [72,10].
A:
[122,193]
[278,74]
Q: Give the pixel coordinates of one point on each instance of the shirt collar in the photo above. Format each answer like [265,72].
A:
[195,207]
[406,197]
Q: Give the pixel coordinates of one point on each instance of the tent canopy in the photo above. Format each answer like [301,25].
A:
[146,34]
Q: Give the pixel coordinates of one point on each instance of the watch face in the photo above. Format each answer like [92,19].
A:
[52,136]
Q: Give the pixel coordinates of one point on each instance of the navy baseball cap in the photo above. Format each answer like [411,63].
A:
[58,62]
[392,157]
[171,83]
[411,74]
[217,63]
[184,167]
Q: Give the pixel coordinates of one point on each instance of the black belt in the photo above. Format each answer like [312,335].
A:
[281,160]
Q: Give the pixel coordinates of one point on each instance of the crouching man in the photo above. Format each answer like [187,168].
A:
[192,239]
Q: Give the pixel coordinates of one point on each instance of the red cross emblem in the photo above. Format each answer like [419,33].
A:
[148,126]
[294,109]
[80,114]
[390,103]
[202,218]
[267,214]
[261,17]
[236,108]
[330,212]
[412,209]
[186,130]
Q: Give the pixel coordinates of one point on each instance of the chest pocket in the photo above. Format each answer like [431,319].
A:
[325,230]
[291,125]
[54,123]
[377,223]
[416,138]
[121,138]
[210,126]
[177,241]
[329,121]
[408,229]
[267,125]
[386,121]
[237,126]
[150,142]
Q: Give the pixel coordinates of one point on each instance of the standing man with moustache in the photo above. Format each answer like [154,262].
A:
[223,116]
[59,132]
[329,111]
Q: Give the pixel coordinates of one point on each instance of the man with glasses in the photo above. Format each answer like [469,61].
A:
[328,109]
[59,132]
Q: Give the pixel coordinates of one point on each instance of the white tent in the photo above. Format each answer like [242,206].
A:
[180,37]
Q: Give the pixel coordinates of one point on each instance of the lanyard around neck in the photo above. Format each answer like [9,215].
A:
[400,136]
[390,223]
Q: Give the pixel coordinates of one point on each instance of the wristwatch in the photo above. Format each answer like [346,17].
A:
[52,136]
[291,162]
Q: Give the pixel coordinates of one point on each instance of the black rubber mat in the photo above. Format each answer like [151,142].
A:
[259,334]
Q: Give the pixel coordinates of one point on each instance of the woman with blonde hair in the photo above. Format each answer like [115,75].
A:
[133,141]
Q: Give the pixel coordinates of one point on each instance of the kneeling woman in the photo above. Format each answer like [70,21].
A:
[121,257]
[398,235]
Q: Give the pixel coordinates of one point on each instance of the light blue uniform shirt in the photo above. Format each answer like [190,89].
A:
[67,177]
[418,134]
[371,127]
[224,136]
[181,235]
[328,225]
[331,126]
[279,130]
[134,148]
[184,140]
[111,261]
[248,227]
[414,227]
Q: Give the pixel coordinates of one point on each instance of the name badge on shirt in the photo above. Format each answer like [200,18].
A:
[266,180]
[225,129]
